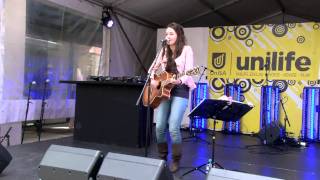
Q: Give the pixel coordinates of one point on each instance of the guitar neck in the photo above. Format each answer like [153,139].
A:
[191,72]
[180,75]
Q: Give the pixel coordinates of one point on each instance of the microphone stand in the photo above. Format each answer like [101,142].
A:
[266,66]
[264,118]
[286,120]
[39,122]
[147,85]
[27,110]
[286,139]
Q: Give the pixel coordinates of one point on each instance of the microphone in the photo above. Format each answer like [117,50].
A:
[163,42]
[47,81]
[32,83]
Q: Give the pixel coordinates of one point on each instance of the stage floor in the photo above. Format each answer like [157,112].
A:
[231,152]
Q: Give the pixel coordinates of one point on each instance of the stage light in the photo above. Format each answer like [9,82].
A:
[198,95]
[310,130]
[269,106]
[110,23]
[234,91]
[106,17]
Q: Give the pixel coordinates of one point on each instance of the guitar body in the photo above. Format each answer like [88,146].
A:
[161,92]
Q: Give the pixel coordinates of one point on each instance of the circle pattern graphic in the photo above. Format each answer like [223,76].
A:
[312,83]
[300,39]
[249,42]
[242,98]
[291,82]
[316,26]
[231,28]
[279,30]
[245,84]
[258,28]
[230,81]
[217,84]
[242,32]
[282,84]
[218,33]
[256,83]
[291,25]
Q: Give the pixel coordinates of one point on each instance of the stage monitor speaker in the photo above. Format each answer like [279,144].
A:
[5,158]
[223,174]
[69,163]
[271,134]
[119,166]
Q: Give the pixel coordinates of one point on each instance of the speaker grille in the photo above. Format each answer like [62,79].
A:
[62,162]
[120,166]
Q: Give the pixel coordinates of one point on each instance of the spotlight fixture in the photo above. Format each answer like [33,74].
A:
[106,17]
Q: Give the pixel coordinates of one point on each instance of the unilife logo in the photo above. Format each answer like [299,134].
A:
[218,60]
[275,62]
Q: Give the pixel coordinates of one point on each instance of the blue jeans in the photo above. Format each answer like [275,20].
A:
[170,112]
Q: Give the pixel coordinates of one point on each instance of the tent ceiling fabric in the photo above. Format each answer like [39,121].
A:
[208,13]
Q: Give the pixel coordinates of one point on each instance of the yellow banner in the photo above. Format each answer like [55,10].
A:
[241,55]
[284,51]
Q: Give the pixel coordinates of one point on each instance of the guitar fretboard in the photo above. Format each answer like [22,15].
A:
[193,71]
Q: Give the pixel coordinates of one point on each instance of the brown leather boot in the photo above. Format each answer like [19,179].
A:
[163,151]
[176,156]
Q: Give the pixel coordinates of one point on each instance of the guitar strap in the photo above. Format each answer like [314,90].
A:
[185,61]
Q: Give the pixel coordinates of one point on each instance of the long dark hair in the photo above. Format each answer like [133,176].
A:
[180,43]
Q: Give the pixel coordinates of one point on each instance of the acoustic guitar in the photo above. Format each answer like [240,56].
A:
[162,91]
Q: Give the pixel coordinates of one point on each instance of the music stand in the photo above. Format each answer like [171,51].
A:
[217,109]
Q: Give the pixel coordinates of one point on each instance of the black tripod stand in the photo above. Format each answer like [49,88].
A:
[27,110]
[286,120]
[285,138]
[217,110]
[39,123]
[269,133]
